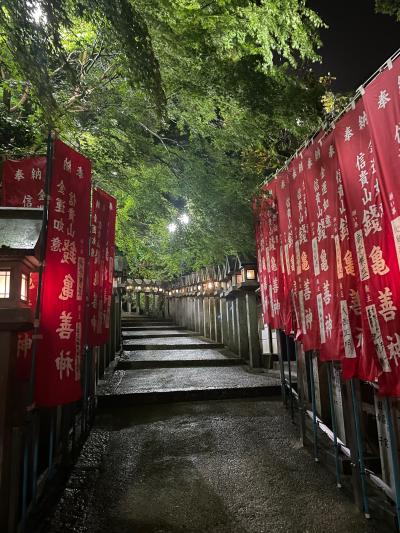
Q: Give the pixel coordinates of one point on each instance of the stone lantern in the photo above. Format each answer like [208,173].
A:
[20,230]
[247,309]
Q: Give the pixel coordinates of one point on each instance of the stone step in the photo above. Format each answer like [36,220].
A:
[131,323]
[164,385]
[147,327]
[177,363]
[154,334]
[176,358]
[174,343]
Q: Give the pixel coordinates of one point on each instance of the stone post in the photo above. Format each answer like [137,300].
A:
[212,318]
[241,321]
[201,314]
[232,326]
[206,312]
[224,320]
[253,339]
[146,303]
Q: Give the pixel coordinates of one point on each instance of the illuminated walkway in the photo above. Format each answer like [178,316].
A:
[204,465]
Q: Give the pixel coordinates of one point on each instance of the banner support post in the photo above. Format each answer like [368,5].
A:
[314,406]
[393,450]
[42,253]
[280,337]
[288,358]
[334,425]
[360,448]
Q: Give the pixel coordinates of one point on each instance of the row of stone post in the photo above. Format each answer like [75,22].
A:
[228,319]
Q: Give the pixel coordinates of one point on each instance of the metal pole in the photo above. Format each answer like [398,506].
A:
[360,448]
[35,454]
[334,425]
[288,358]
[42,254]
[393,450]
[314,407]
[25,484]
[280,336]
[51,443]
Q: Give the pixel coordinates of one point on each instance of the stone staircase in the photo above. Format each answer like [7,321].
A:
[161,362]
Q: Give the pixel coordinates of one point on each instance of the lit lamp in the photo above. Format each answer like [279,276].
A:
[248,272]
[20,230]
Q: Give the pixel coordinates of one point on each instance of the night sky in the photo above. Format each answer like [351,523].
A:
[357,42]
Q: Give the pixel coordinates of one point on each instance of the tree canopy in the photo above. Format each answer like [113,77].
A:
[182,106]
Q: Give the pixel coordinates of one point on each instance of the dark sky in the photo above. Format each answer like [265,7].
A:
[357,42]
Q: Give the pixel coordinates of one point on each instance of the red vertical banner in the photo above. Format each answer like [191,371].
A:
[23,182]
[102,249]
[382,103]
[374,257]
[63,296]
[302,171]
[260,248]
[337,279]
[271,257]
[23,186]
[280,189]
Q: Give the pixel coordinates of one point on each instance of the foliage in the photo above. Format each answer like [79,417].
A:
[182,105]
[388,7]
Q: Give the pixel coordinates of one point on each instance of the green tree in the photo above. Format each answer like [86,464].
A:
[182,105]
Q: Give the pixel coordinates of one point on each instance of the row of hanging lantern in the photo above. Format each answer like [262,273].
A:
[238,272]
[144,285]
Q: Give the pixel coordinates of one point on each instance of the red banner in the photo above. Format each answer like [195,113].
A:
[23,185]
[63,304]
[382,103]
[23,182]
[280,191]
[338,281]
[338,213]
[302,171]
[102,247]
[372,246]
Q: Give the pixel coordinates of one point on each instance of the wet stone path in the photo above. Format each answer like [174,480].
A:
[187,449]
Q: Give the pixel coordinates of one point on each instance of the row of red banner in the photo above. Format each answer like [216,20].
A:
[78,274]
[328,240]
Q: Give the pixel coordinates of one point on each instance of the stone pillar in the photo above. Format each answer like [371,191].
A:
[138,303]
[192,314]
[241,321]
[153,310]
[146,303]
[201,314]
[7,376]
[206,312]
[212,317]
[252,330]
[185,312]
[217,319]
[232,326]
[223,311]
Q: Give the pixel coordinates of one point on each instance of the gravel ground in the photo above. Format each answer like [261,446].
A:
[232,466]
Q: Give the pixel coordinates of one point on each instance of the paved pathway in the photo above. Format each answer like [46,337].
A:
[225,466]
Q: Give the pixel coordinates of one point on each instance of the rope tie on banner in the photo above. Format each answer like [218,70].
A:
[388,64]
